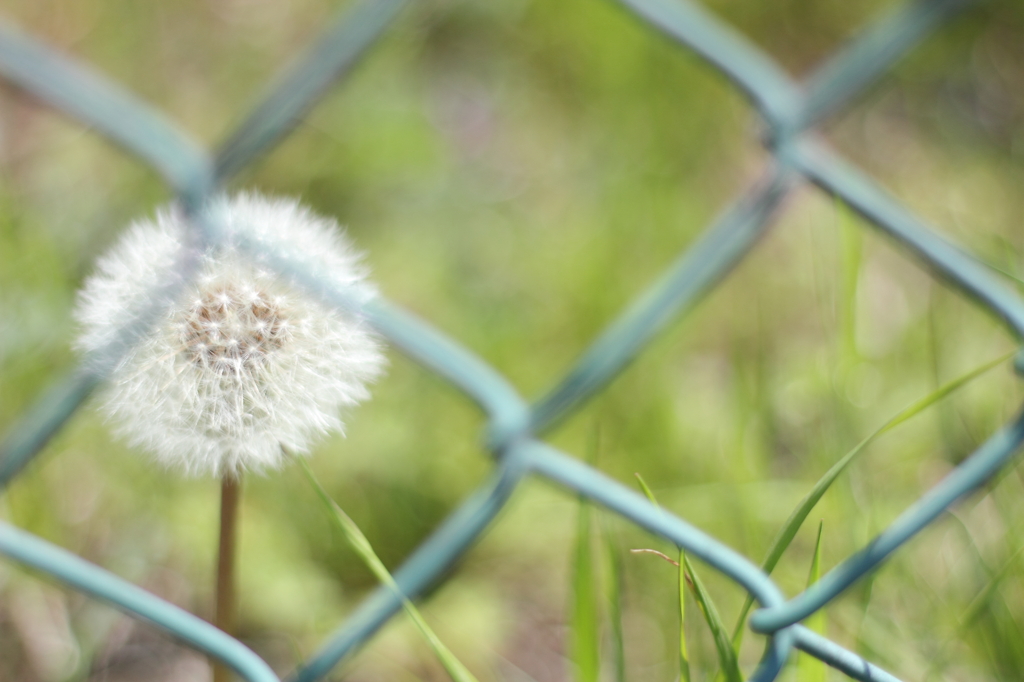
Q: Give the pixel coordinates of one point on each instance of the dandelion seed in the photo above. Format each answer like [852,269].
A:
[245,365]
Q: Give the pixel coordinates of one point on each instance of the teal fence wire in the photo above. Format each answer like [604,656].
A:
[790,111]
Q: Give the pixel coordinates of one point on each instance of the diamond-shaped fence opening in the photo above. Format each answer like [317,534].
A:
[790,111]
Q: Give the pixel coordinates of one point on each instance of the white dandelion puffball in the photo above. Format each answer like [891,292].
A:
[244,365]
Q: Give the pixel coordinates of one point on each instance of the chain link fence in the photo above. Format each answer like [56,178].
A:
[790,111]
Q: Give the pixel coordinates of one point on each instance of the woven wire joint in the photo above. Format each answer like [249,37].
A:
[789,110]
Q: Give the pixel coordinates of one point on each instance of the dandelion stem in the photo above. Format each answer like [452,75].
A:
[224,617]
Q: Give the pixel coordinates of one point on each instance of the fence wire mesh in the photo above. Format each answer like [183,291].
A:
[790,111]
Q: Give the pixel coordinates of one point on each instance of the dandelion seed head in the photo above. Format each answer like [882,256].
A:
[244,365]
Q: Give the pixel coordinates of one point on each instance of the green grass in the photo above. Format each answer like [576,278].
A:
[517,172]
[810,669]
[456,670]
[584,622]
[729,668]
[792,525]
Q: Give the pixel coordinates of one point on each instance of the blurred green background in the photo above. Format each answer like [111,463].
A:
[517,172]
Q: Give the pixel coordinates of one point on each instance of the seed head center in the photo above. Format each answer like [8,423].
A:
[230,330]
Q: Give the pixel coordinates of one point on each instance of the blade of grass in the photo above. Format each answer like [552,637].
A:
[809,668]
[456,670]
[585,626]
[982,599]
[585,651]
[684,657]
[688,578]
[723,645]
[613,555]
[796,519]
[979,606]
[646,489]
[817,621]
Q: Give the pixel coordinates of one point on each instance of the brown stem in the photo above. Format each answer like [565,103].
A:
[656,553]
[225,615]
